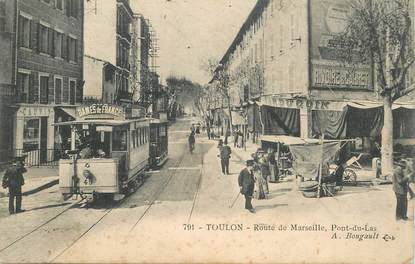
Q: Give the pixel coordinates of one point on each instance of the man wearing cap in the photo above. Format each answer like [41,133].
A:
[13,179]
[246,183]
[400,187]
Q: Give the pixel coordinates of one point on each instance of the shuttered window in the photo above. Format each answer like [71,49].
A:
[58,44]
[72,51]
[43,39]
[58,90]
[44,89]
[24,32]
[23,82]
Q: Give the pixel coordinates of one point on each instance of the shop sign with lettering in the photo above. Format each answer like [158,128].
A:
[100,109]
[34,111]
[296,103]
[328,50]
[340,77]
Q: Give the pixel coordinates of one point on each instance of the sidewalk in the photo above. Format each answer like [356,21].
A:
[370,207]
[36,179]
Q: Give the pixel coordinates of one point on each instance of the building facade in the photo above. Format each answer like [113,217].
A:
[285,58]
[48,72]
[7,74]
[108,64]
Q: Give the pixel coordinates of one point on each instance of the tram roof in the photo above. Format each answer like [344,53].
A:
[106,122]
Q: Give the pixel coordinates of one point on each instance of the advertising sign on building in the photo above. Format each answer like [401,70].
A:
[328,20]
[100,110]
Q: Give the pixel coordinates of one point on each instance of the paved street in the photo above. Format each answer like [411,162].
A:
[179,211]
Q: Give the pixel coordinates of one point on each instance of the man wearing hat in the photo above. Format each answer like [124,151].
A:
[246,183]
[400,187]
[13,179]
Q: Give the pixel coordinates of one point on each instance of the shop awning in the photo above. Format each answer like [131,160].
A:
[109,122]
[369,104]
[68,110]
[287,140]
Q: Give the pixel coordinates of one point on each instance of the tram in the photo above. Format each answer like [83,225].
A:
[110,151]
[158,141]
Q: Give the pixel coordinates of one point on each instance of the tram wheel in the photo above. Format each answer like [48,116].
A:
[349,176]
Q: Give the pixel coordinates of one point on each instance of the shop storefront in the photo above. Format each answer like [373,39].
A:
[34,133]
[358,120]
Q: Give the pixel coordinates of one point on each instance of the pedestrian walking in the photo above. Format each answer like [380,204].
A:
[400,187]
[240,139]
[191,139]
[225,154]
[235,139]
[220,144]
[273,166]
[13,179]
[208,132]
[246,184]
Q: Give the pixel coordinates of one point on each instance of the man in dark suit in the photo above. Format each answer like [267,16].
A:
[246,183]
[400,187]
[225,155]
[13,179]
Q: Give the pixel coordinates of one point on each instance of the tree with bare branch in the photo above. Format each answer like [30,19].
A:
[221,82]
[379,31]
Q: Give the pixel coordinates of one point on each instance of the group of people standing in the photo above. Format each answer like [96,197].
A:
[253,180]
[265,169]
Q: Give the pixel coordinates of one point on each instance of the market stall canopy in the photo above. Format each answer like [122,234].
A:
[290,141]
[307,158]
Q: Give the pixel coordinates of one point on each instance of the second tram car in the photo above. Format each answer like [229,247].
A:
[158,142]
[110,150]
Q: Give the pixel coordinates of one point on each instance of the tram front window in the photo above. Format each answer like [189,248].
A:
[119,140]
[94,144]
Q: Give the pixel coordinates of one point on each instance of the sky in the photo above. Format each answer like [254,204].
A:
[190,32]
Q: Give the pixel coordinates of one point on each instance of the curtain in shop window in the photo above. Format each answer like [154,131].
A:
[364,122]
[332,123]
[280,121]
[403,123]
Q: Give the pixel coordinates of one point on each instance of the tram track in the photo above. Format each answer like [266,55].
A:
[48,225]
[156,196]
[171,176]
[39,226]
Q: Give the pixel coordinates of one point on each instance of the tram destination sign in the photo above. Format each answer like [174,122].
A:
[99,110]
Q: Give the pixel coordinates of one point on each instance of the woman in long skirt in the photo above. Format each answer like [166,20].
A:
[273,167]
[263,163]
[259,191]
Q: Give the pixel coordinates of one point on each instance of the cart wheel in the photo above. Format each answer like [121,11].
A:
[350,177]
